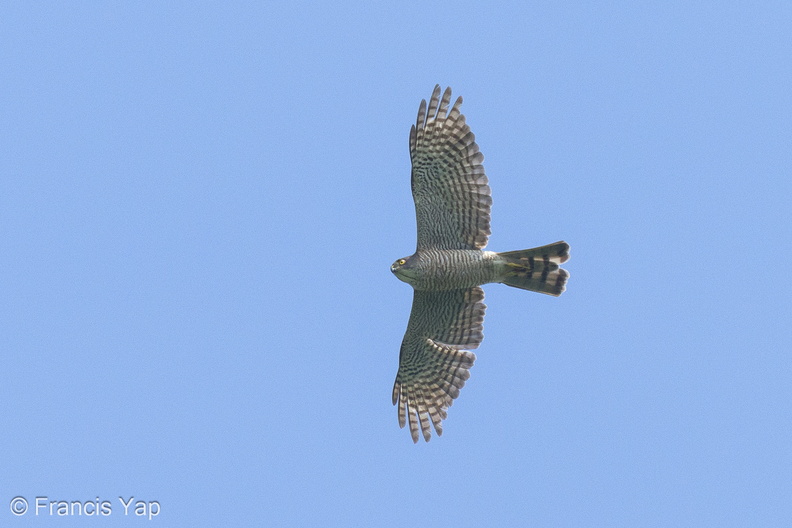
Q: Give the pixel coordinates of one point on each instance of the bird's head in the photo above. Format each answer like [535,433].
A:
[404,270]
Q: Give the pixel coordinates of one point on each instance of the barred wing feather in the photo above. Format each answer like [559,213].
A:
[450,189]
[434,362]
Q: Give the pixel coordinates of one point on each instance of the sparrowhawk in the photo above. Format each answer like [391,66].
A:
[452,209]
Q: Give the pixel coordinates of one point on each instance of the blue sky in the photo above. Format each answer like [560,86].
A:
[199,205]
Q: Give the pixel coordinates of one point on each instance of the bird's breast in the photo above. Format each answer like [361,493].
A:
[450,269]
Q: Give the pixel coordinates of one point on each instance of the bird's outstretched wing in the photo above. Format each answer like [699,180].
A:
[434,359]
[449,186]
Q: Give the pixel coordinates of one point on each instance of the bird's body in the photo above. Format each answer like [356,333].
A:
[452,205]
[449,269]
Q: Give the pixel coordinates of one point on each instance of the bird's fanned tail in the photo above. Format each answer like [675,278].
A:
[537,269]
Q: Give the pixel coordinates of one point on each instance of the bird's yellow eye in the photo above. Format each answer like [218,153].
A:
[402,262]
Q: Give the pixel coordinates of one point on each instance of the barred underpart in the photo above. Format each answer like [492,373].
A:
[448,269]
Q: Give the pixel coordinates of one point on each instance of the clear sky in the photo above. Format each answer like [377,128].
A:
[200,202]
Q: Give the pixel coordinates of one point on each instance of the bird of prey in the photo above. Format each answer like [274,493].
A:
[452,209]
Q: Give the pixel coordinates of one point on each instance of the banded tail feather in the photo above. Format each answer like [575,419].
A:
[537,269]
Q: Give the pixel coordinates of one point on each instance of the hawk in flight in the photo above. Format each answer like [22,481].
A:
[452,209]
